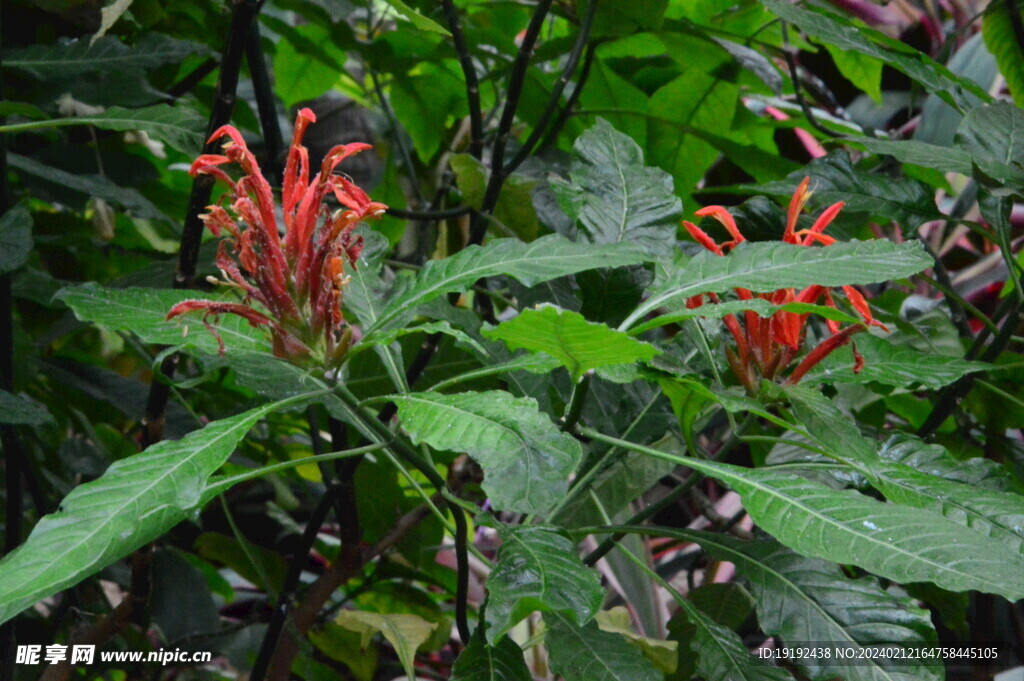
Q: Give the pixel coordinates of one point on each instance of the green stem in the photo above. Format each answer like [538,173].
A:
[998,391]
[607,460]
[373,429]
[224,484]
[574,409]
[676,494]
[962,302]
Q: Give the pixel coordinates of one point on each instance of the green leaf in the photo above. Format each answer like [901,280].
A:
[993,513]
[15,238]
[425,101]
[615,488]
[137,500]
[586,653]
[767,266]
[834,178]
[500,661]
[72,58]
[539,570]
[806,599]
[578,344]
[623,18]
[526,459]
[694,101]
[755,62]
[179,126]
[994,137]
[607,90]
[403,11]
[428,328]
[546,258]
[891,364]
[143,312]
[98,186]
[833,430]
[721,654]
[762,307]
[18,410]
[22,109]
[406,633]
[863,71]
[840,32]
[933,459]
[263,567]
[614,197]
[946,159]
[897,542]
[514,209]
[997,31]
[342,645]
[307,62]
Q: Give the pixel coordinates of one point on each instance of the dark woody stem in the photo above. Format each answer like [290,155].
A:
[272,140]
[476,117]
[556,91]
[478,227]
[134,605]
[14,455]
[243,14]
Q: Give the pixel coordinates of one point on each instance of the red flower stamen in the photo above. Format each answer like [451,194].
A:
[796,206]
[299,280]
[769,345]
[724,218]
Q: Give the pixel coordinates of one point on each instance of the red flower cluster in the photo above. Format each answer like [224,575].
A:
[294,285]
[766,347]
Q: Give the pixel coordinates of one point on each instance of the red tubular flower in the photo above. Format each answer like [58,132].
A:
[297,282]
[766,347]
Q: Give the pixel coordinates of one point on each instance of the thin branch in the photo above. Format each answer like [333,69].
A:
[403,150]
[566,113]
[272,139]
[582,40]
[957,305]
[243,13]
[185,85]
[481,218]
[953,395]
[476,118]
[478,227]
[276,656]
[415,459]
[574,409]
[430,215]
[285,602]
[787,53]
[671,498]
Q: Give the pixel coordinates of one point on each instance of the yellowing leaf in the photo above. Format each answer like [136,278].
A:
[406,633]
[662,654]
